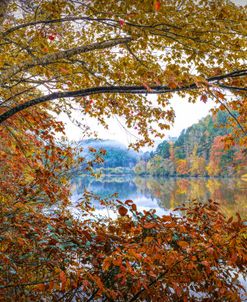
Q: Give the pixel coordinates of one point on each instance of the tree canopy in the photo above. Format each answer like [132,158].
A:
[108,56]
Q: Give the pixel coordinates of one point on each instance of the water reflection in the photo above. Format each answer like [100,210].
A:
[167,193]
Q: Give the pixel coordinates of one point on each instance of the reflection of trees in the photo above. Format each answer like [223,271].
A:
[104,186]
[198,190]
[170,192]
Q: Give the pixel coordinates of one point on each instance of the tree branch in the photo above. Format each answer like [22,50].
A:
[134,298]
[114,89]
[50,58]
[229,111]
[232,87]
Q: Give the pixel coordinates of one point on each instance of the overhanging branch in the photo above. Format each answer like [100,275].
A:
[117,90]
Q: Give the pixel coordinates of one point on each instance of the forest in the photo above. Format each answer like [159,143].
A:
[199,150]
[91,62]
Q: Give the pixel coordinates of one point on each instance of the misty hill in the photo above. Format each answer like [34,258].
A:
[117,155]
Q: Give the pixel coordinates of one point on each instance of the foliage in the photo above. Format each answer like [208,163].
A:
[204,149]
[151,256]
[163,149]
[103,59]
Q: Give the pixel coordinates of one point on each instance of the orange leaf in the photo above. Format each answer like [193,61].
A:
[117,262]
[106,264]
[63,279]
[172,85]
[220,95]
[183,244]
[170,225]
[40,286]
[149,225]
[166,218]
[64,70]
[157,5]
[99,282]
[205,263]
[122,211]
[148,239]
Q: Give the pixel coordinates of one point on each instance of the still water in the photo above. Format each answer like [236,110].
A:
[164,194]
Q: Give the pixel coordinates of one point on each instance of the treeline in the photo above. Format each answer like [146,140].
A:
[200,150]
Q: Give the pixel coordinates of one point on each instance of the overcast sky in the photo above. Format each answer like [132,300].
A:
[186,115]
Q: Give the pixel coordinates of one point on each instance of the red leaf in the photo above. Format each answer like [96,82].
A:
[51,37]
[121,22]
[157,5]
[122,211]
[204,98]
[134,208]
[128,202]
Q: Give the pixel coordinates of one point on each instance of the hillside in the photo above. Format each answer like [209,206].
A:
[198,151]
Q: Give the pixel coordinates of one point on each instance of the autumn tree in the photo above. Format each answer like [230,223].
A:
[182,167]
[217,150]
[197,163]
[57,56]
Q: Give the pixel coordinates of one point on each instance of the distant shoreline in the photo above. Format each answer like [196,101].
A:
[161,176]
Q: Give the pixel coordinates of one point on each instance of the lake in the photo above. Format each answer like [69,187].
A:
[164,194]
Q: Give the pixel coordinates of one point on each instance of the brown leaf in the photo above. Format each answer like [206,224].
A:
[183,244]
[149,225]
[63,279]
[122,211]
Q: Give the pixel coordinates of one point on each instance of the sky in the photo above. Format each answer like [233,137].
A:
[186,115]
